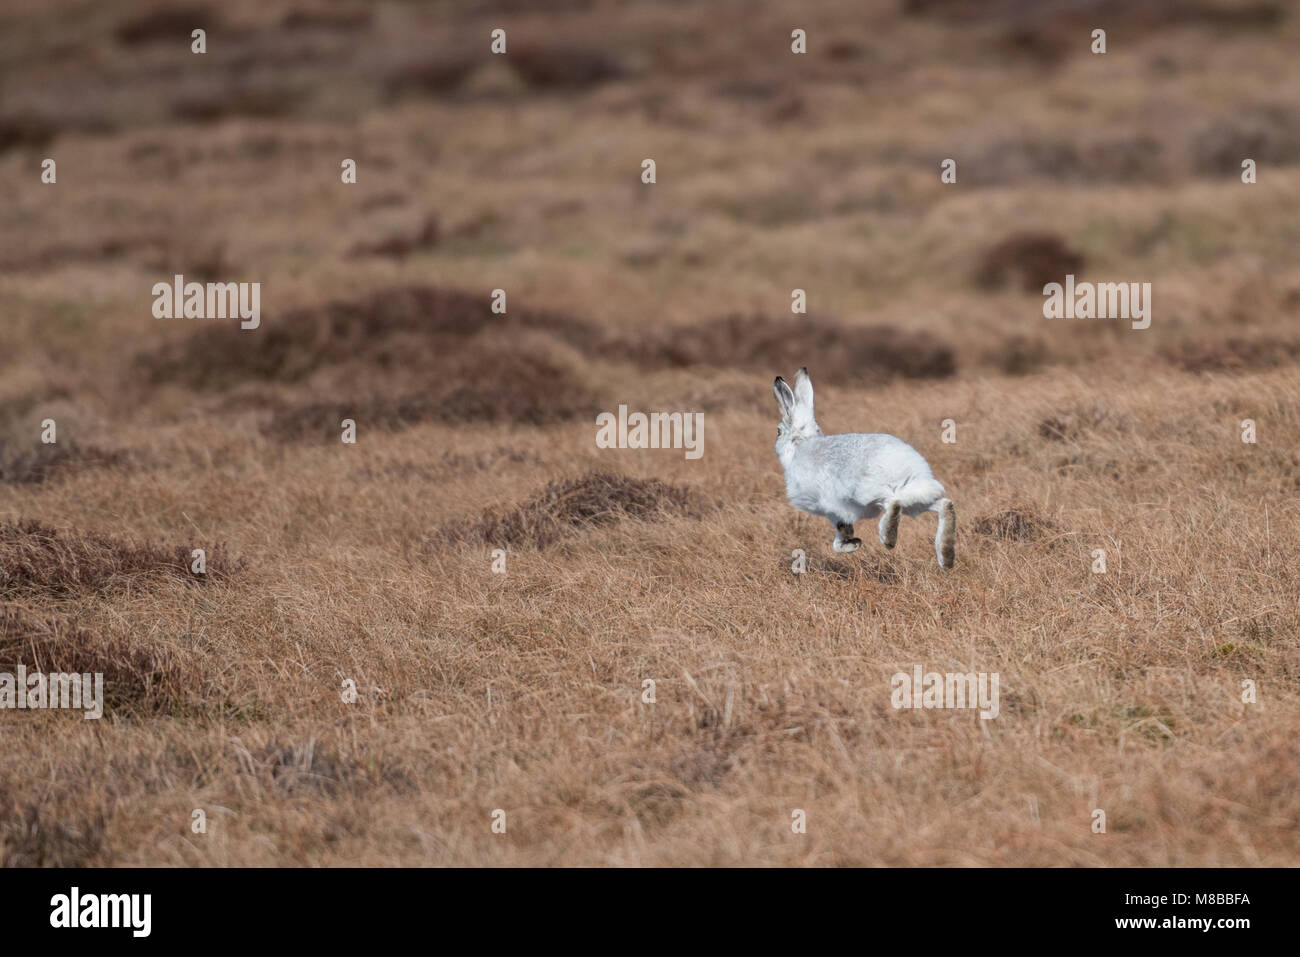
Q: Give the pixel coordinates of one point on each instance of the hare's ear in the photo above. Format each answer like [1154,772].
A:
[803,390]
[784,397]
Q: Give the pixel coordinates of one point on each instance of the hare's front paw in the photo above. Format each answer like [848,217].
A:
[847,545]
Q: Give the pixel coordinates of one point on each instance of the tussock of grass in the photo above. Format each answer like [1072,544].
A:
[342,19]
[401,245]
[291,346]
[571,505]
[1233,353]
[166,24]
[264,100]
[36,558]
[34,463]
[564,67]
[1032,259]
[491,385]
[26,129]
[843,352]
[140,677]
[479,371]
[437,74]
[1072,424]
[1019,355]
[36,834]
[1016,524]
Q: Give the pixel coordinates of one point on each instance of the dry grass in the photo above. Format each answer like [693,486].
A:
[372,563]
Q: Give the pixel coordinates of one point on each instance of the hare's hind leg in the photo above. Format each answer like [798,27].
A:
[844,540]
[889,523]
[945,541]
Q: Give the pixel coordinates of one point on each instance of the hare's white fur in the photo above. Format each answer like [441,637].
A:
[850,477]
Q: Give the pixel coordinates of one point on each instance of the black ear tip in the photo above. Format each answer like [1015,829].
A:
[803,369]
[779,381]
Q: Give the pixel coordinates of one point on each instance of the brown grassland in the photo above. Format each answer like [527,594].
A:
[522,691]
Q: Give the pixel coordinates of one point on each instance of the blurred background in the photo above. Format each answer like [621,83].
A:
[775,171]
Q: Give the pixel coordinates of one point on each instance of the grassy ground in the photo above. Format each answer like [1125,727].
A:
[522,691]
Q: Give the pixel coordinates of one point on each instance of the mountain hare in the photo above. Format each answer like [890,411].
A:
[856,476]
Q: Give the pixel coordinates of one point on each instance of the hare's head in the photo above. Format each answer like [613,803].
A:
[797,422]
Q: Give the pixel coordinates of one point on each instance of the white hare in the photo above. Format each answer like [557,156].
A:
[855,476]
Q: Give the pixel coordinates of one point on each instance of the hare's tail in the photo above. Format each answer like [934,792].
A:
[945,541]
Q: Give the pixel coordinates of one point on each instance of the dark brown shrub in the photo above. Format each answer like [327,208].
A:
[1115,159]
[268,100]
[1035,258]
[303,340]
[877,568]
[846,50]
[171,254]
[345,19]
[1070,425]
[167,24]
[1233,354]
[843,353]
[439,74]
[483,385]
[36,558]
[323,420]
[514,386]
[448,463]
[402,245]
[1016,524]
[563,67]
[1055,429]
[307,767]
[40,463]
[1020,355]
[435,325]
[26,129]
[569,505]
[1049,29]
[1267,134]
[34,834]
[198,260]
[138,676]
